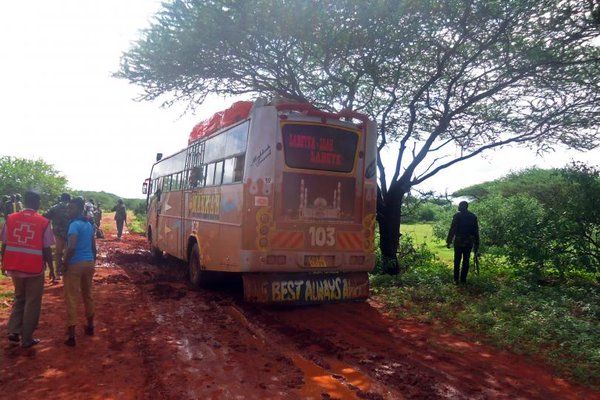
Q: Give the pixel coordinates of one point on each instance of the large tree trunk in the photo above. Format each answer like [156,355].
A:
[389,212]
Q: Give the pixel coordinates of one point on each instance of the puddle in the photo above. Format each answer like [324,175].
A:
[319,383]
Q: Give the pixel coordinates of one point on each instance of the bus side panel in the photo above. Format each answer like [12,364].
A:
[213,219]
[170,223]
[229,242]
[259,196]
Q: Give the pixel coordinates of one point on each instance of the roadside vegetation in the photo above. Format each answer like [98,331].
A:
[538,290]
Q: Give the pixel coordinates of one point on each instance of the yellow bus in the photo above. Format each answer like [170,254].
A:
[285,195]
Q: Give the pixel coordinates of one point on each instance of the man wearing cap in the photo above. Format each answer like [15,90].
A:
[26,240]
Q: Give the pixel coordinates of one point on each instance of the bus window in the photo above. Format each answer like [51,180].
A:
[218,173]
[229,170]
[166,186]
[238,173]
[236,140]
[196,176]
[214,149]
[319,147]
[175,184]
[210,174]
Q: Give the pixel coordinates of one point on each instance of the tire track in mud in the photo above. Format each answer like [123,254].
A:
[210,327]
[210,344]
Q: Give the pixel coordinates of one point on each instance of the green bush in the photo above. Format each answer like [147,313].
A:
[549,230]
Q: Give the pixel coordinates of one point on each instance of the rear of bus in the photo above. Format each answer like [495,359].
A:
[310,200]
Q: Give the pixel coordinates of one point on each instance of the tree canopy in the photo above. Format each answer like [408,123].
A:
[18,175]
[445,80]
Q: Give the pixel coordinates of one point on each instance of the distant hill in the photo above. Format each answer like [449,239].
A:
[109,200]
[536,182]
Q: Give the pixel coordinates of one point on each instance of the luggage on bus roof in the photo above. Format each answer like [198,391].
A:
[237,112]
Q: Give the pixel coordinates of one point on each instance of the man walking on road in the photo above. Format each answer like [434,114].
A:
[59,215]
[464,233]
[120,217]
[79,261]
[26,241]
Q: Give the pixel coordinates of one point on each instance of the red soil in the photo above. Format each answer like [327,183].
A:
[156,339]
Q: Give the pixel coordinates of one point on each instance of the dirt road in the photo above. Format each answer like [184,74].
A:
[156,339]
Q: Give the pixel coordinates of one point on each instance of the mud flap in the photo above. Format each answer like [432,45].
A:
[305,288]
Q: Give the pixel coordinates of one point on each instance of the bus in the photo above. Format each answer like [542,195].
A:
[284,194]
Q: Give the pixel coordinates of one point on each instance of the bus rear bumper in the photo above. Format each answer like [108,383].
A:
[305,287]
[298,261]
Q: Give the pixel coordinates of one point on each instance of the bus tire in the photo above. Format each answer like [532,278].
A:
[195,272]
[157,254]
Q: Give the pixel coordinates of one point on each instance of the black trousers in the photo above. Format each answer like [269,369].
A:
[119,227]
[462,253]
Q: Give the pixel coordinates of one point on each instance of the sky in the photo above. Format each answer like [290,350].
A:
[60,102]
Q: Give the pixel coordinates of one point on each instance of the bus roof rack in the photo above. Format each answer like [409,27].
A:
[310,110]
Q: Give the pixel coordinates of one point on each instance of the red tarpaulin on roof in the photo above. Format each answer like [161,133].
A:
[237,112]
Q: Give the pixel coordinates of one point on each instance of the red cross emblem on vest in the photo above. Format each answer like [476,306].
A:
[23,233]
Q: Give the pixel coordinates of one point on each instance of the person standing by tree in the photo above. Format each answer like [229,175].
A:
[26,240]
[59,215]
[79,261]
[9,205]
[6,206]
[120,216]
[464,232]
[17,205]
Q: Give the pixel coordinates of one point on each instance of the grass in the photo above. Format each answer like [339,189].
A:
[423,234]
[136,223]
[557,323]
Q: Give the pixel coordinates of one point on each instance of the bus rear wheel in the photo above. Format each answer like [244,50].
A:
[195,274]
[157,253]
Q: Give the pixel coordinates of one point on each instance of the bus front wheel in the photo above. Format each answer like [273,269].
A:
[195,270]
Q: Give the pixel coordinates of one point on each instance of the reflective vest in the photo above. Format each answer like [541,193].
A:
[24,242]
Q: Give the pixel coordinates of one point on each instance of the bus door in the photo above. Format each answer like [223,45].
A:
[169,215]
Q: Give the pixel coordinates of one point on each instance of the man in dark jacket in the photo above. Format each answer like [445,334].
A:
[120,217]
[59,215]
[464,233]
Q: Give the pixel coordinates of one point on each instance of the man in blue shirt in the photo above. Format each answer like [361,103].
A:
[78,264]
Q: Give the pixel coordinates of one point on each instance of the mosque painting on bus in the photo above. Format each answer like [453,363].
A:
[309,197]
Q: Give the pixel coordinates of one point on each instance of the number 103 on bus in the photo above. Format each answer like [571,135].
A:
[321,236]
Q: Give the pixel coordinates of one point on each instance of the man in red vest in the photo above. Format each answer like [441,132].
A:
[26,240]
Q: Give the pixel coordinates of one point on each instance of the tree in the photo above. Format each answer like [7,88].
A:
[445,80]
[18,175]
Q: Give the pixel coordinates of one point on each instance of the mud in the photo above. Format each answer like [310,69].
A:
[157,339]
